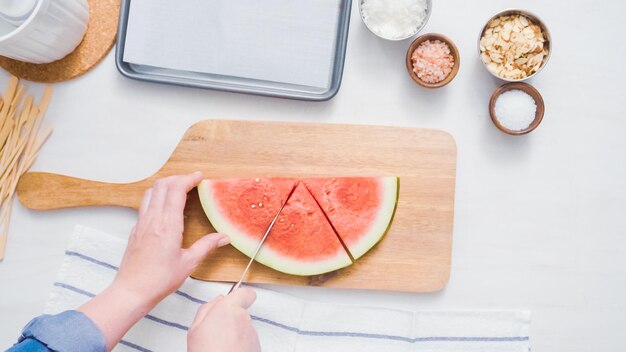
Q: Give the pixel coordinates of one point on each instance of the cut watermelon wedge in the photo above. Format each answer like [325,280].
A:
[360,209]
[302,242]
[324,221]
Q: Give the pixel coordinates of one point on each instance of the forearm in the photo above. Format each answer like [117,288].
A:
[66,331]
[154,265]
[115,311]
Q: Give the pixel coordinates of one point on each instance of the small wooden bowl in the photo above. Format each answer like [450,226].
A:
[453,50]
[530,90]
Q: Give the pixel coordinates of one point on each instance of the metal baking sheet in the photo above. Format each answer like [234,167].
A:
[235,83]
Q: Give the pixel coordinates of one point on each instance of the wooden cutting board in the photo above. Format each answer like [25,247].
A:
[415,254]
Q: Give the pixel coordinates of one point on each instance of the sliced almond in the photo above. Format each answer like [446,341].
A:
[495,57]
[486,59]
[489,41]
[516,37]
[521,61]
[524,21]
[509,56]
[528,31]
[505,35]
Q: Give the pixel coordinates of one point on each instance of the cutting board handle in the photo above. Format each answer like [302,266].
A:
[46,191]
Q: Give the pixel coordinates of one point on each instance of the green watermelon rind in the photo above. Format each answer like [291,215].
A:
[247,245]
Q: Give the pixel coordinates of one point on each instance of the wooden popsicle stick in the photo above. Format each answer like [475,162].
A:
[17,125]
[17,98]
[12,160]
[6,120]
[4,230]
[9,93]
[37,138]
[21,135]
[25,163]
[45,100]
[46,191]
[20,142]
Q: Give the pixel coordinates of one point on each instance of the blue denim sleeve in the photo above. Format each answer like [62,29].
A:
[67,332]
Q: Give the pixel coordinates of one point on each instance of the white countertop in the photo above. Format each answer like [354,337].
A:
[540,220]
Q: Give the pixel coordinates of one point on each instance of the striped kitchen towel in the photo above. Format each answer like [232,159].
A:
[284,323]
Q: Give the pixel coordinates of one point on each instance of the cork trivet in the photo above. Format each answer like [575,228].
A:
[98,41]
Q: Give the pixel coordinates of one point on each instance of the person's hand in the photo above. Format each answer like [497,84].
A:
[154,264]
[224,325]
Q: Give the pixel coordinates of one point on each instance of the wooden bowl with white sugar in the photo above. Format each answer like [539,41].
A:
[512,113]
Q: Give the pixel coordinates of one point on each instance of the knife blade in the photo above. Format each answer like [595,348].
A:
[237,284]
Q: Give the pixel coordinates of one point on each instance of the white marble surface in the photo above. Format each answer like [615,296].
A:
[540,220]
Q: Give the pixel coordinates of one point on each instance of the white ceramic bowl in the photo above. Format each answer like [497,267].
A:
[417,30]
[53,30]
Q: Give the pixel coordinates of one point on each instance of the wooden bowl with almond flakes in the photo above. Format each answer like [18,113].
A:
[514,45]
[454,51]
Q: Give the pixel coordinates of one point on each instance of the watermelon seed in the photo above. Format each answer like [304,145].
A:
[252,206]
[282,220]
[256,180]
[292,225]
[331,209]
[260,205]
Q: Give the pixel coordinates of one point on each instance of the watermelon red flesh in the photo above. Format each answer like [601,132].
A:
[302,242]
[244,206]
[359,208]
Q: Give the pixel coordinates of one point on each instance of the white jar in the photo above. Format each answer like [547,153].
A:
[52,31]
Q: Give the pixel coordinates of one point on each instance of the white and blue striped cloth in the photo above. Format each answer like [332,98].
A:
[284,323]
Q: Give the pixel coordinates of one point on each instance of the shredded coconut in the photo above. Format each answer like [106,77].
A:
[515,109]
[432,61]
[394,19]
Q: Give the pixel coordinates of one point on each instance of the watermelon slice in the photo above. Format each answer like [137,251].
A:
[359,208]
[325,224]
[302,242]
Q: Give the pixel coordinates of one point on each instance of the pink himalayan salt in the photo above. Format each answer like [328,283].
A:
[432,61]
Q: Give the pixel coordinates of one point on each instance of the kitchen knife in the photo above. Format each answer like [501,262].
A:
[258,247]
